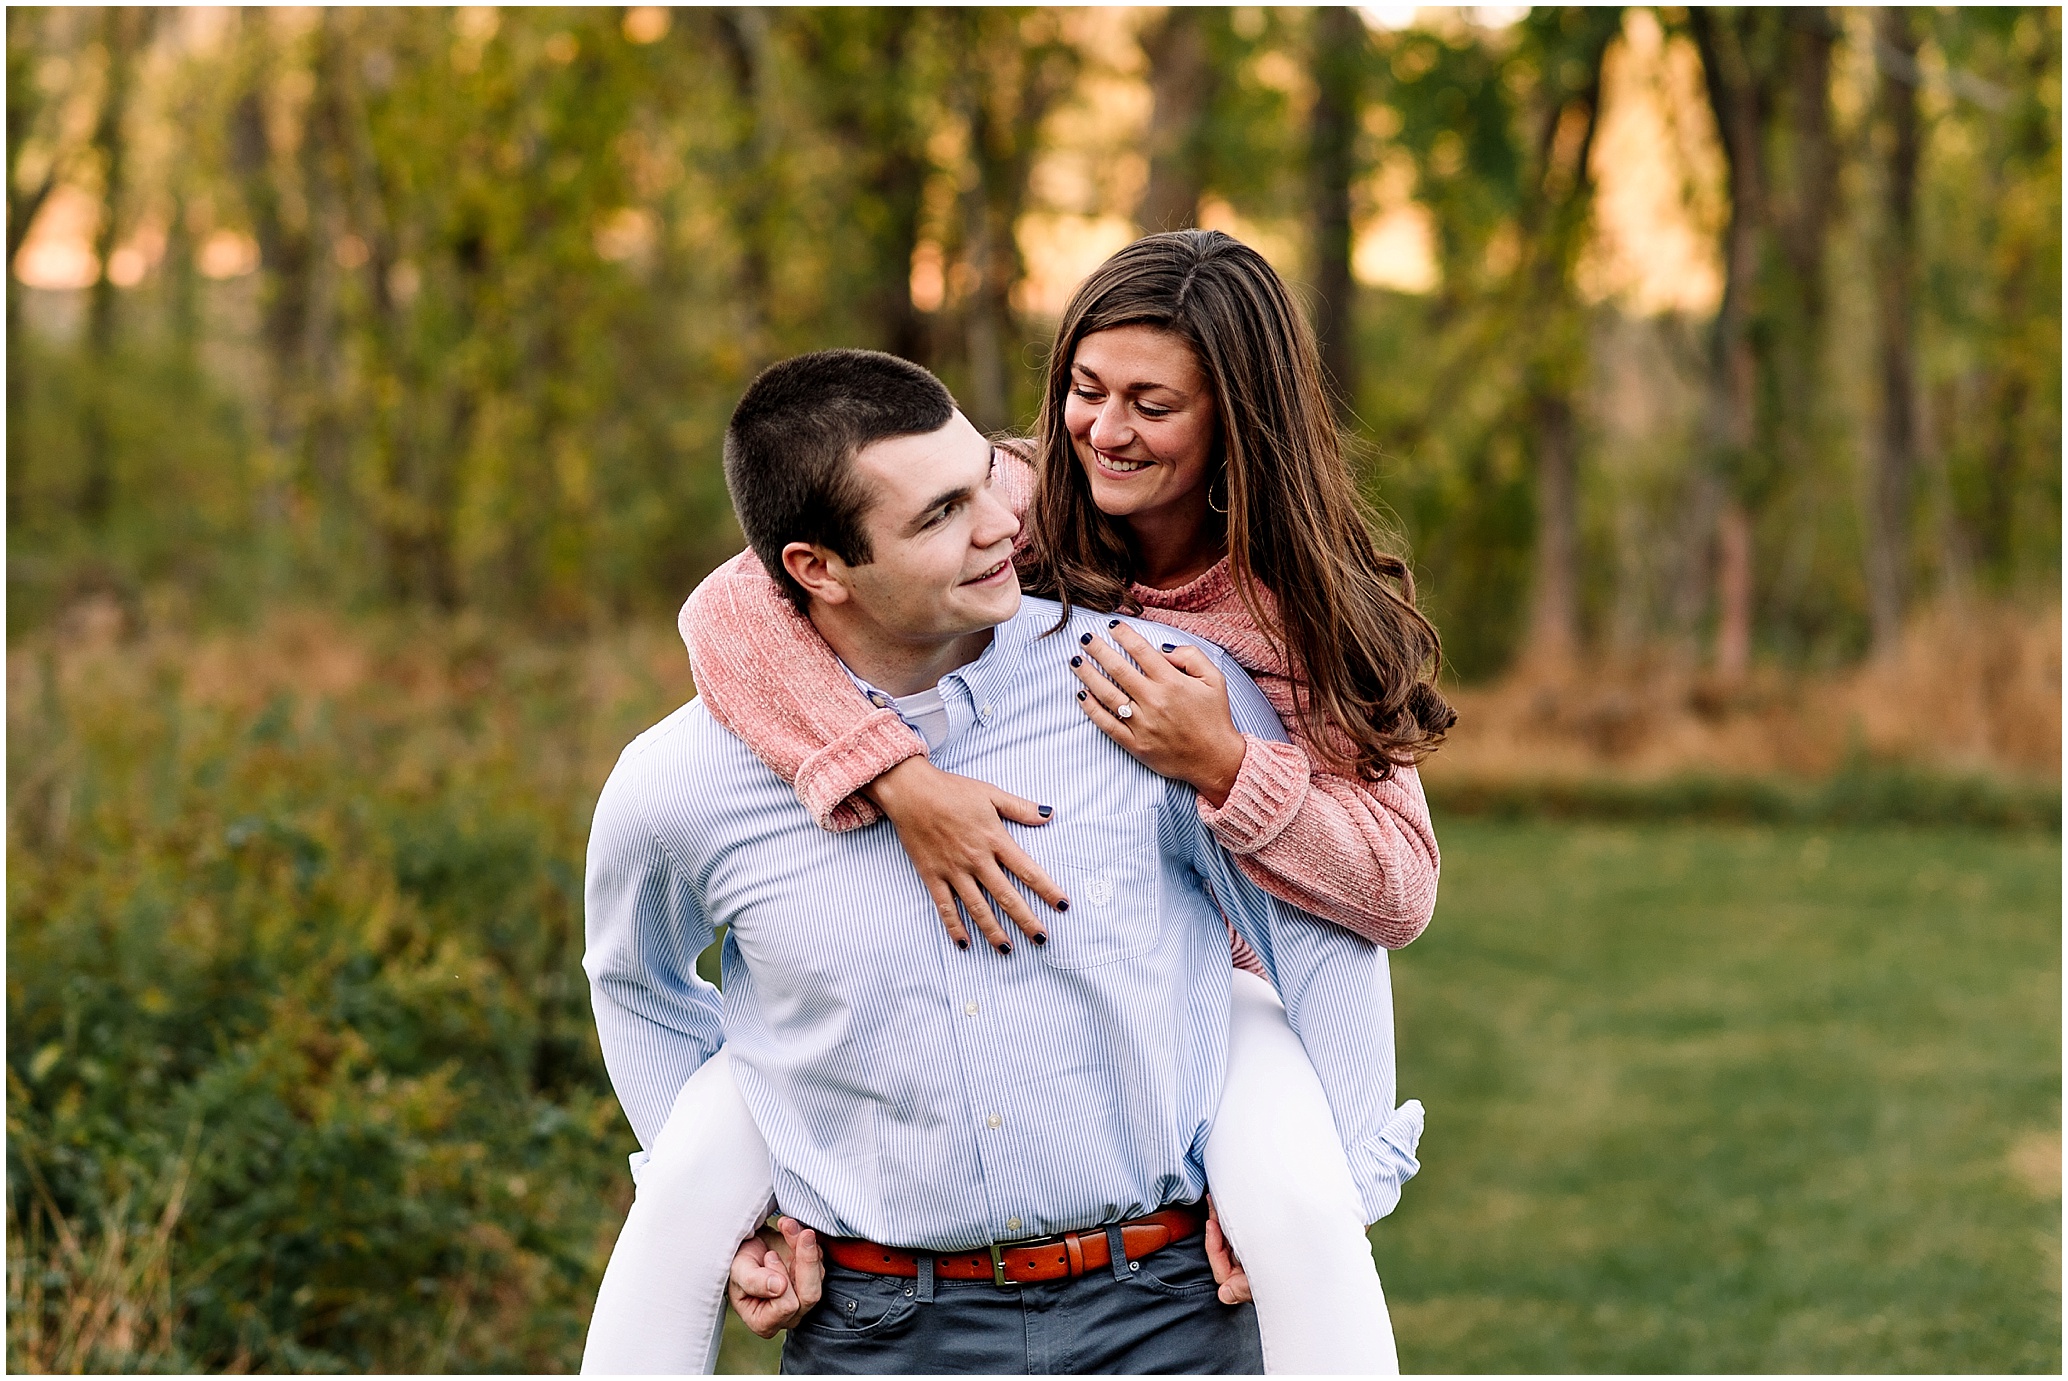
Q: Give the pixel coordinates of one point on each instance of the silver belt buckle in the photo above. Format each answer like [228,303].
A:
[998,1267]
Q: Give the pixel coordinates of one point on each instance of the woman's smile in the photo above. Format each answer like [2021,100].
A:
[1120,466]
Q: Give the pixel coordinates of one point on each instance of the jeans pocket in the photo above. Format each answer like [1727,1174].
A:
[864,1308]
[1180,1270]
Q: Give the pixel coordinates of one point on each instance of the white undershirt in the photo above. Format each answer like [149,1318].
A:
[926,712]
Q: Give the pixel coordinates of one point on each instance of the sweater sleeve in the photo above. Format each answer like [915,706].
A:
[1361,854]
[765,673]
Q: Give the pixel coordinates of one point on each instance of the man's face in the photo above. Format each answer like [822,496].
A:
[940,534]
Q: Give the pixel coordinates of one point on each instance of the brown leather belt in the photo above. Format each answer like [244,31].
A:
[1048,1258]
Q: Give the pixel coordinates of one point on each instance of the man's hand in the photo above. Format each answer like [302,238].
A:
[1177,724]
[951,829]
[1219,1255]
[777,1278]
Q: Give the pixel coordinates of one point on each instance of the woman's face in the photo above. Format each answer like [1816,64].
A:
[1141,418]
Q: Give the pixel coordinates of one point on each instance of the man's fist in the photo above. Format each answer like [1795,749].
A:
[1228,1271]
[777,1277]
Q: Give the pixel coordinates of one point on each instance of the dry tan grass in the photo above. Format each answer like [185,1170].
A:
[83,1298]
[1972,689]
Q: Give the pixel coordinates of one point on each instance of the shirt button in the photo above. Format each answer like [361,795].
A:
[970,1008]
[994,1120]
[985,711]
[1012,1225]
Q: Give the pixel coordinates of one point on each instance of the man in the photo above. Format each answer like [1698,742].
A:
[928,1105]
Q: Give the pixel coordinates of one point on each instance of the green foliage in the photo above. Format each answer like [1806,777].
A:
[515,265]
[1733,1100]
[1861,793]
[315,956]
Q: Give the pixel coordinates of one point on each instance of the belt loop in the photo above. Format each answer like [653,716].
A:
[1116,1247]
[925,1278]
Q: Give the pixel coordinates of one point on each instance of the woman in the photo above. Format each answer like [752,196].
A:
[1186,467]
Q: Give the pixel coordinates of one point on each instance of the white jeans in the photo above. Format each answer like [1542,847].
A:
[1280,1182]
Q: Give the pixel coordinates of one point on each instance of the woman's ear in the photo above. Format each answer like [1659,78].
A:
[817,570]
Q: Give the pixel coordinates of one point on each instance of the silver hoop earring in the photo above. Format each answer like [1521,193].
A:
[1220,508]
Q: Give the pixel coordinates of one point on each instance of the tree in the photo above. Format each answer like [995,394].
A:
[1565,113]
[124,32]
[1182,82]
[1894,455]
[1338,67]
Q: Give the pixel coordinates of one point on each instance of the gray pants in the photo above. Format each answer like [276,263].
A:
[1161,1318]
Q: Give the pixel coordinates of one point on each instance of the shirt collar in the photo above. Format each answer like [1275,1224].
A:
[959,688]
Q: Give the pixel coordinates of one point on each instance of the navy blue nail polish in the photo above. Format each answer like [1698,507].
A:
[962,944]
[1041,939]
[1045,811]
[1080,695]
[1170,647]
[1063,905]
[1112,623]
[1086,640]
[1077,661]
[1004,947]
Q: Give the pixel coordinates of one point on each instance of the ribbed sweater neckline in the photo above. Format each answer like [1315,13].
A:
[1208,588]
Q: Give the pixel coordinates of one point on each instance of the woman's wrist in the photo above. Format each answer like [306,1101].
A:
[1215,776]
[890,785]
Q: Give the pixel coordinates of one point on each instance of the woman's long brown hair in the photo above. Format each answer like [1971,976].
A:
[1342,610]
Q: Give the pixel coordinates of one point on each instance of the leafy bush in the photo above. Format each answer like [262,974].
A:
[301,1072]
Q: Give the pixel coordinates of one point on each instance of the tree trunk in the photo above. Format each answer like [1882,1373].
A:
[745,40]
[1014,82]
[1554,633]
[865,62]
[1339,41]
[1804,155]
[1734,588]
[1181,83]
[1895,452]
[1555,222]
[1734,97]
[122,33]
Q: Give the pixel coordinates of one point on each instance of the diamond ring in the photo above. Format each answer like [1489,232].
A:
[1126,711]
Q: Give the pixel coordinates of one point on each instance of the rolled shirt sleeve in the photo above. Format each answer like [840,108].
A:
[657,1021]
[1338,995]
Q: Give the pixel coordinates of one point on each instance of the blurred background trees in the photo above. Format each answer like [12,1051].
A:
[366,373]
[1728,330]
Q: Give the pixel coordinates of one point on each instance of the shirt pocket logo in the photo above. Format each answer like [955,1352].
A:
[1111,869]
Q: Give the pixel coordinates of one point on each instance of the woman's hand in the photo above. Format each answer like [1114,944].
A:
[1234,1281]
[1179,725]
[777,1278]
[952,831]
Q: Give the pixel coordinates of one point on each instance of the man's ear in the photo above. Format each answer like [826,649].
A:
[819,571]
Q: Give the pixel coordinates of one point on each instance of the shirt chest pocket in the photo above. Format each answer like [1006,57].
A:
[1110,869]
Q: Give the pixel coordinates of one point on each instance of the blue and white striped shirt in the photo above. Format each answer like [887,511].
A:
[917,1094]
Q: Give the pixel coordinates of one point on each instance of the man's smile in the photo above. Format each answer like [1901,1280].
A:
[992,575]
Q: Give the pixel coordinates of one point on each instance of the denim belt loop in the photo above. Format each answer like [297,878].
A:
[925,1279]
[1117,1249]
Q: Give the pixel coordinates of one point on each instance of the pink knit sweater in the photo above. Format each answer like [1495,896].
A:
[1361,854]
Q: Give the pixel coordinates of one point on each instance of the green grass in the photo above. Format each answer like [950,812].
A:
[1732,1099]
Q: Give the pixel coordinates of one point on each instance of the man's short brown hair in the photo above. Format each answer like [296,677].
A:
[790,447]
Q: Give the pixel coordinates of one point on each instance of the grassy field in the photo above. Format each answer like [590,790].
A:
[1716,1099]
[301,1074]
[1731,1100]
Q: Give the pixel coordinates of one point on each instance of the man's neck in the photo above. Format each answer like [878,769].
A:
[892,665]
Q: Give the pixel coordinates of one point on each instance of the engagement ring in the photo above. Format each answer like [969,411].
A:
[1126,711]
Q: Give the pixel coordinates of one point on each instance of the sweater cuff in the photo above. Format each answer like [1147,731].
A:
[828,779]
[1269,789]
